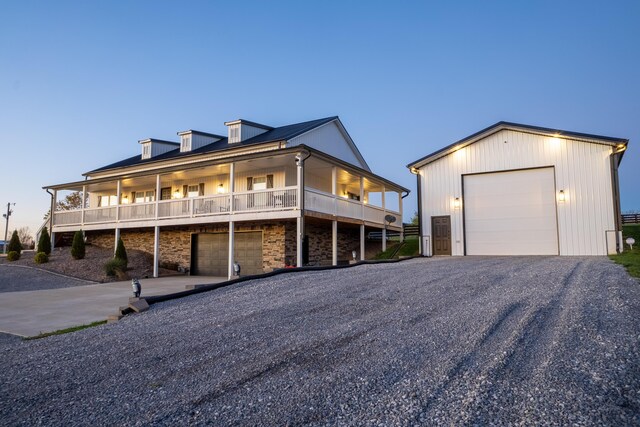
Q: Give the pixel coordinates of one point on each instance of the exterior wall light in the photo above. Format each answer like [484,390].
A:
[125,199]
[456,203]
[220,188]
[561,196]
[176,195]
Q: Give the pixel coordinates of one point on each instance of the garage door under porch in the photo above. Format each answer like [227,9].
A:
[210,253]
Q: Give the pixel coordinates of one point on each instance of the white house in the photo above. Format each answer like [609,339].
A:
[267,197]
[514,189]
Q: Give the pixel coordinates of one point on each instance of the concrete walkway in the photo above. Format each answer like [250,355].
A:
[30,313]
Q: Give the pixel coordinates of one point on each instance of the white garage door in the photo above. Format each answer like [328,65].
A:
[511,213]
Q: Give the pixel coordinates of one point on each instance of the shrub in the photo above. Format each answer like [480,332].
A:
[14,243]
[115,266]
[77,247]
[44,243]
[41,258]
[121,252]
[13,256]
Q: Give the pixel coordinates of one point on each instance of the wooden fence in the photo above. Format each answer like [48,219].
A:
[631,218]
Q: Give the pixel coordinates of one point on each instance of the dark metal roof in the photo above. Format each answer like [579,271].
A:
[535,129]
[282,133]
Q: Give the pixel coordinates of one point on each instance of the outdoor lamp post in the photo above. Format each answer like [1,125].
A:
[6,228]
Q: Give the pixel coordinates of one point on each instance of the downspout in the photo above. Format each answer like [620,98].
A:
[615,160]
[416,172]
[51,212]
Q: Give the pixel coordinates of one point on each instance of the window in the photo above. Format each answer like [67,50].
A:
[104,201]
[193,190]
[260,183]
[185,143]
[165,193]
[144,196]
[234,134]
[146,151]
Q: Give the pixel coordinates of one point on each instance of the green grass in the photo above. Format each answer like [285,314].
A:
[67,330]
[408,248]
[630,259]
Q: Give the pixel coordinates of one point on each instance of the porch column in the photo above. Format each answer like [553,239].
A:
[300,219]
[232,185]
[118,190]
[54,202]
[334,242]
[334,188]
[231,241]
[115,246]
[156,250]
[362,196]
[384,222]
[84,202]
[362,248]
[158,191]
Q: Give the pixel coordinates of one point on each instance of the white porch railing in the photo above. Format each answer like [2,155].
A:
[211,205]
[137,211]
[99,215]
[322,202]
[67,217]
[260,200]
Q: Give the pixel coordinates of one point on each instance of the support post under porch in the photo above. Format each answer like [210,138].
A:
[231,244]
[384,238]
[334,242]
[117,237]
[156,250]
[362,248]
[299,239]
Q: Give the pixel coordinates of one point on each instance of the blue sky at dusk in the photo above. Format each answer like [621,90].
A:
[81,82]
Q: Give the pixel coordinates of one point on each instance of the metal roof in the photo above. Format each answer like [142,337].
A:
[515,126]
[281,133]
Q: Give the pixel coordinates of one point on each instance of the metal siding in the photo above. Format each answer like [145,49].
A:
[247,131]
[198,141]
[330,140]
[582,170]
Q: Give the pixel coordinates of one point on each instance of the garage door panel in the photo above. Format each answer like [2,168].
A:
[211,256]
[511,213]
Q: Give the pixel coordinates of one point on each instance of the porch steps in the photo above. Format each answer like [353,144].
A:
[136,305]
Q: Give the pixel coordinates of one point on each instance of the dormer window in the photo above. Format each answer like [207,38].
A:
[234,134]
[185,143]
[146,151]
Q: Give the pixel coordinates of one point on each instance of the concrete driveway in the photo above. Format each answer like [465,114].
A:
[29,313]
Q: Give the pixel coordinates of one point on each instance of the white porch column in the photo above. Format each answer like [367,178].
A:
[117,237]
[156,250]
[232,185]
[54,202]
[84,202]
[362,196]
[158,193]
[334,188]
[118,190]
[231,242]
[384,222]
[362,248]
[334,242]
[300,219]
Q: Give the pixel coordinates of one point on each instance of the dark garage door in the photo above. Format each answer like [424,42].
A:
[211,253]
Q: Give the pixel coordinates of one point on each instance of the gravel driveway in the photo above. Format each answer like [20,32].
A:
[523,340]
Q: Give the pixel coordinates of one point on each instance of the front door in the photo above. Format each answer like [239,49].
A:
[441,229]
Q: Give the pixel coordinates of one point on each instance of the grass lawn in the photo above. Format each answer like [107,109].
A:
[630,259]
[408,248]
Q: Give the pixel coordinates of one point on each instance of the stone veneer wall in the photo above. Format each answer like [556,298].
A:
[175,242]
[320,242]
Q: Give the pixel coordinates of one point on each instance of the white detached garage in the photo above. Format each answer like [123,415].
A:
[514,189]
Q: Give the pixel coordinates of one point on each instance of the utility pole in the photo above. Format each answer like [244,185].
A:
[6,228]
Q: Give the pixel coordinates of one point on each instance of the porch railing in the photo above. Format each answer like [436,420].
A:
[322,202]
[137,211]
[272,199]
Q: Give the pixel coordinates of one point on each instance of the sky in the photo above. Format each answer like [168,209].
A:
[82,81]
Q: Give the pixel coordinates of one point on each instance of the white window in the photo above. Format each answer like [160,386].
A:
[234,134]
[146,151]
[144,196]
[185,143]
[260,183]
[107,201]
[193,190]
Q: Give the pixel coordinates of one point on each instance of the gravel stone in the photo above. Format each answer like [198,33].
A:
[471,341]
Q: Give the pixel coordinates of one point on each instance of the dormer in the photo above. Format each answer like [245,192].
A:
[191,140]
[154,147]
[241,130]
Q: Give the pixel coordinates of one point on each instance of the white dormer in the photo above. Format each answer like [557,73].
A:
[241,130]
[154,147]
[191,140]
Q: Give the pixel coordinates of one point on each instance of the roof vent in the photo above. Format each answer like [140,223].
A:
[191,140]
[154,147]
[241,130]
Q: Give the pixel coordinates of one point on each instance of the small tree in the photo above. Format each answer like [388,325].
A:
[121,252]
[77,247]
[14,243]
[44,243]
